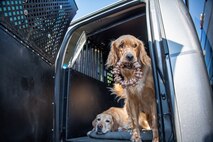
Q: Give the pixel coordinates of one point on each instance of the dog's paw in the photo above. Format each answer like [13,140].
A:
[121,129]
[156,139]
[88,133]
[136,140]
[135,136]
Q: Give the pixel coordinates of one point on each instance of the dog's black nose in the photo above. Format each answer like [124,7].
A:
[129,57]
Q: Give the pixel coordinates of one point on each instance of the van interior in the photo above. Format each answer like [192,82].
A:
[88,78]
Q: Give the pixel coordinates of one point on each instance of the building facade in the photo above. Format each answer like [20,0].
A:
[201,12]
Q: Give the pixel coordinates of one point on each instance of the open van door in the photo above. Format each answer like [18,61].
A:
[31,32]
[190,96]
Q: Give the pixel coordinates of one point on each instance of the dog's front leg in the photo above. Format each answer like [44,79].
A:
[133,112]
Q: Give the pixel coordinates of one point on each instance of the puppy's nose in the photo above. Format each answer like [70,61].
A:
[129,57]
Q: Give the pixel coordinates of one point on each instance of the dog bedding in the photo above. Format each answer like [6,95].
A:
[120,135]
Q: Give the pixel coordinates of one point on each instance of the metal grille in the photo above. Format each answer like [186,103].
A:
[39,23]
[90,61]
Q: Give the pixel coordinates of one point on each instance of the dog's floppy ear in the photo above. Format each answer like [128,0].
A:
[112,57]
[144,58]
[115,124]
[94,122]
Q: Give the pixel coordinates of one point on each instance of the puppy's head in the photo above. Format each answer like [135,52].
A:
[104,123]
[127,49]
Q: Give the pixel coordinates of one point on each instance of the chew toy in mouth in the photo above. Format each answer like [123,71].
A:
[127,65]
[131,82]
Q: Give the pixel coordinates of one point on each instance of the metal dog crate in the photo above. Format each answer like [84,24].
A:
[176,60]
[84,51]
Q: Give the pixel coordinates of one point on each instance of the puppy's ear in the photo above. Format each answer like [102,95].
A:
[115,125]
[112,57]
[94,122]
[144,58]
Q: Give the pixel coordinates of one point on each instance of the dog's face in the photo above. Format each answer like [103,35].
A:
[104,123]
[127,49]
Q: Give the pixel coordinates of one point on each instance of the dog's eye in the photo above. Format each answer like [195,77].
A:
[107,121]
[99,119]
[135,45]
[121,45]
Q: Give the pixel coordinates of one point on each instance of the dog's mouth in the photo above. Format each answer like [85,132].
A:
[99,133]
[128,65]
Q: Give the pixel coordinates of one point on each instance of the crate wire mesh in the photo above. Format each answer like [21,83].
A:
[90,61]
[41,24]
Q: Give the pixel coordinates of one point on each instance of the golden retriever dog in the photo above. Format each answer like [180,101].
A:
[115,119]
[110,120]
[127,50]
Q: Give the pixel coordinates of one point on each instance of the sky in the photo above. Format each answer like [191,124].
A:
[88,6]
